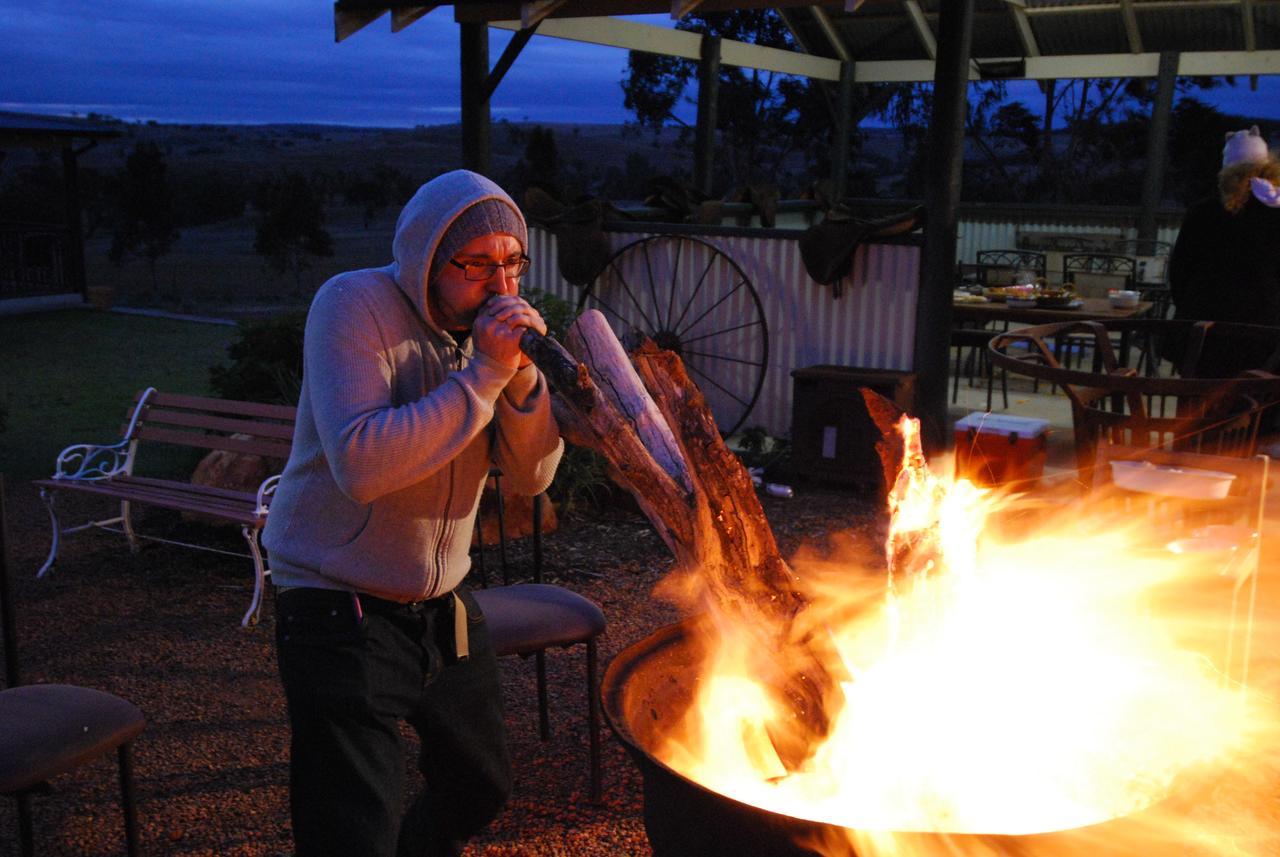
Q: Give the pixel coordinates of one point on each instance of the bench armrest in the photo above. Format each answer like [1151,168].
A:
[265,492]
[86,461]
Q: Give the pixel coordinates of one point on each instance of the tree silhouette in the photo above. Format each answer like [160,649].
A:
[763,118]
[145,222]
[291,229]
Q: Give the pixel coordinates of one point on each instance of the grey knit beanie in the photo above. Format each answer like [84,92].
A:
[483,218]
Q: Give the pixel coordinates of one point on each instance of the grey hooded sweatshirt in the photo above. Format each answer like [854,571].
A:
[398,426]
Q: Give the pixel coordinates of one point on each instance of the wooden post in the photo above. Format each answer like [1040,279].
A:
[946,159]
[840,138]
[704,140]
[74,254]
[475,100]
[1157,145]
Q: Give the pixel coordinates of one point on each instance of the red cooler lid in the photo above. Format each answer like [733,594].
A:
[1002,424]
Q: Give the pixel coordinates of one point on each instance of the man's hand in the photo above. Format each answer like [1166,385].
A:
[498,327]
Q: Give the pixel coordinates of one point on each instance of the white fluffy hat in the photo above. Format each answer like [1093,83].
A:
[1244,147]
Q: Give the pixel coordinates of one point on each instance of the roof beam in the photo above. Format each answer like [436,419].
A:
[1196,63]
[1145,6]
[1131,26]
[1018,9]
[829,30]
[680,8]
[403,16]
[504,63]
[921,24]
[533,11]
[636,36]
[490,11]
[347,22]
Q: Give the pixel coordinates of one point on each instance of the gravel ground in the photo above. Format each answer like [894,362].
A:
[162,629]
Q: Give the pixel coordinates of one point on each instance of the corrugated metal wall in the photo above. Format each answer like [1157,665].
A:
[872,325]
[998,230]
[1000,234]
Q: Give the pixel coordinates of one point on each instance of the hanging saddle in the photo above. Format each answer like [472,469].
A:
[827,247]
[583,247]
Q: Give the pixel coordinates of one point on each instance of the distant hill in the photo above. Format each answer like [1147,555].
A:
[615,161]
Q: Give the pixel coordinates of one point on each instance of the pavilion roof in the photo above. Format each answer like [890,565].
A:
[896,40]
[32,130]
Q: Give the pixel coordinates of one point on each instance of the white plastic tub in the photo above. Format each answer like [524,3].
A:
[1188,483]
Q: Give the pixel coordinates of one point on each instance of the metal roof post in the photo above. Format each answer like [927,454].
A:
[946,159]
[1157,145]
[840,139]
[475,99]
[704,140]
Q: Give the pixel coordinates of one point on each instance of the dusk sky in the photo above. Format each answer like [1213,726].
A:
[222,61]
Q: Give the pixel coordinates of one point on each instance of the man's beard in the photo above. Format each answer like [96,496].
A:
[447,321]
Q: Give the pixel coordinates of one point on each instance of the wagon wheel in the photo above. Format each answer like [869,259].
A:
[689,297]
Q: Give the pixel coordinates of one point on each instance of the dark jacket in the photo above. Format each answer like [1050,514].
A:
[1226,267]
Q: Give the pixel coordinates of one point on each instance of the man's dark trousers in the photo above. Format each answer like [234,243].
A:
[351,671]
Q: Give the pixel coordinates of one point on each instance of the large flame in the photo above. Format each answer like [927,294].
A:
[997,685]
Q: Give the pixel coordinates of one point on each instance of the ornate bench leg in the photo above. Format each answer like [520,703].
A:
[126,521]
[47,497]
[259,572]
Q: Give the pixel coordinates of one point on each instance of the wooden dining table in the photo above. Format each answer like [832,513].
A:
[1090,309]
[982,313]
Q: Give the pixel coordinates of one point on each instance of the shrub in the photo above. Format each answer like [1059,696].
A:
[557,312]
[266,362]
[580,481]
[757,449]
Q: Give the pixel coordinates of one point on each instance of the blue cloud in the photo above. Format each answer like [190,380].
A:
[242,61]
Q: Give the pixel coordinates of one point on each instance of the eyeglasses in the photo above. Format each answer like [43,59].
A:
[477,271]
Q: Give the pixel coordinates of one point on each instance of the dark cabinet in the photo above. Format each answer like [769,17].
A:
[832,437]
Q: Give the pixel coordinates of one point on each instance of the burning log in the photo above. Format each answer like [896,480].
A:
[655,429]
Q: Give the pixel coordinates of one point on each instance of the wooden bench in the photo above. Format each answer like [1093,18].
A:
[193,421]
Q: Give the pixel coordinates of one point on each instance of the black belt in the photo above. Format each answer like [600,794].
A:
[362,603]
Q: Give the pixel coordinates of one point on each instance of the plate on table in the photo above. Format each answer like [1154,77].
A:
[966,298]
[1058,302]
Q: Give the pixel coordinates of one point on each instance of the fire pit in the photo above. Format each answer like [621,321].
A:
[999,697]
[649,686]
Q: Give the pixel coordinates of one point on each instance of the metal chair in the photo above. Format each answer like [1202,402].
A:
[1002,267]
[529,618]
[1095,274]
[49,729]
[1225,529]
[1115,404]
[974,341]
[1151,265]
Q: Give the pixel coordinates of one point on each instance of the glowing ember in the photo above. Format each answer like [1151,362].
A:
[997,687]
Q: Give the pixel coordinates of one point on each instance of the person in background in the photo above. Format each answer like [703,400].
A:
[1225,265]
[413,386]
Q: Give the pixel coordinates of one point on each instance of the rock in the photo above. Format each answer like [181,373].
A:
[234,471]
[517,513]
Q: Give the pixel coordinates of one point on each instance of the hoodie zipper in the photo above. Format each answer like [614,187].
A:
[454,364]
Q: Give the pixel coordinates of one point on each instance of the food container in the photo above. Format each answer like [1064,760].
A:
[1020,303]
[1123,298]
[1187,483]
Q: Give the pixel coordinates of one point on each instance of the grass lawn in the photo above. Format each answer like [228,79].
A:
[70,376]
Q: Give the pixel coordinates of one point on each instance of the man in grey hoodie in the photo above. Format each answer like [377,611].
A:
[413,387]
